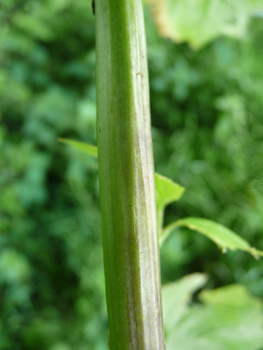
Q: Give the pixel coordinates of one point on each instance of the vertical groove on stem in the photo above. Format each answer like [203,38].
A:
[126,174]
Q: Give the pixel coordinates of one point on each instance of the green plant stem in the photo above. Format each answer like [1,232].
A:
[126,175]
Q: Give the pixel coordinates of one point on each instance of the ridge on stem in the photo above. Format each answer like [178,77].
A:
[126,176]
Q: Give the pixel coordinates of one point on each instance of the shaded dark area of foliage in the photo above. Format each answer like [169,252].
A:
[207,133]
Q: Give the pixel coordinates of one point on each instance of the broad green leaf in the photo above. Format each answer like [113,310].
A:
[221,235]
[201,21]
[91,150]
[177,295]
[228,318]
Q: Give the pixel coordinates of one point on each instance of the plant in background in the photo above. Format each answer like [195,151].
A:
[128,202]
[51,257]
[220,320]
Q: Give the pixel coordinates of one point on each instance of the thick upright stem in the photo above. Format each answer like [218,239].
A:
[126,174]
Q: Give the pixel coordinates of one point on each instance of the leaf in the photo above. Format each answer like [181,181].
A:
[201,21]
[167,191]
[228,318]
[177,295]
[221,235]
[91,150]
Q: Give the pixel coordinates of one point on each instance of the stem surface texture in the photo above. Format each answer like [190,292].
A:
[126,175]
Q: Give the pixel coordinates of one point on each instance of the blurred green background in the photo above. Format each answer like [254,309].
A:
[207,134]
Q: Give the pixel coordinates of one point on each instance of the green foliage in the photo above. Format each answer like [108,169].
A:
[167,192]
[192,95]
[207,130]
[91,150]
[177,296]
[50,246]
[179,19]
[221,235]
[226,318]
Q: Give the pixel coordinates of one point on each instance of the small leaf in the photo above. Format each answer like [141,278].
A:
[167,191]
[221,235]
[90,149]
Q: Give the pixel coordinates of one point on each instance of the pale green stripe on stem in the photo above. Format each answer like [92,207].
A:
[126,174]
